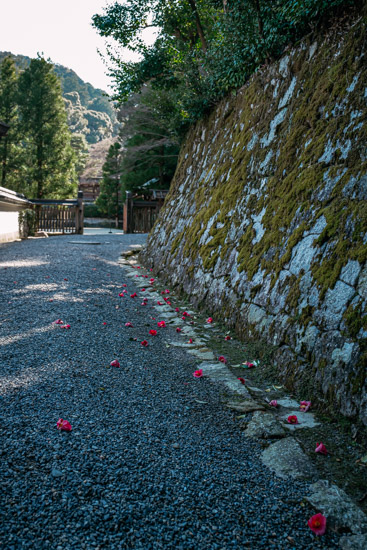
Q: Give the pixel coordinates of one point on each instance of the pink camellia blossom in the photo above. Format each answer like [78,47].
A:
[222,359]
[167,291]
[177,309]
[317,524]
[153,332]
[161,324]
[144,343]
[292,419]
[198,373]
[168,302]
[178,329]
[128,324]
[273,403]
[305,405]
[58,322]
[242,380]
[63,425]
[114,363]
[227,338]
[65,326]
[320,448]
[160,303]
[121,294]
[134,295]
[144,303]
[209,320]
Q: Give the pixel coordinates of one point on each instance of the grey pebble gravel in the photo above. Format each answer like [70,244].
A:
[145,466]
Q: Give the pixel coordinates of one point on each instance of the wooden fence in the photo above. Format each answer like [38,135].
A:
[60,216]
[140,215]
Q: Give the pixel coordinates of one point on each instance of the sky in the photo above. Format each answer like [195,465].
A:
[61,30]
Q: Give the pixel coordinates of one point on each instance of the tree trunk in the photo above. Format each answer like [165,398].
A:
[199,27]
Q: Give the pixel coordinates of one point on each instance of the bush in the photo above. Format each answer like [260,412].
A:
[27,223]
[92,211]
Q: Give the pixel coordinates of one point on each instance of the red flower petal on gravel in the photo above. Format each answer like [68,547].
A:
[114,363]
[133,295]
[161,324]
[143,303]
[160,303]
[198,373]
[273,403]
[144,343]
[63,425]
[178,329]
[209,320]
[222,359]
[190,341]
[242,380]
[320,448]
[65,326]
[177,309]
[105,323]
[58,322]
[65,279]
[317,524]
[128,324]
[249,365]
[168,302]
[121,294]
[227,338]
[292,419]
[124,285]
[153,332]
[143,290]
[305,405]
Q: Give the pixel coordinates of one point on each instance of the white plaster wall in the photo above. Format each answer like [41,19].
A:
[9,228]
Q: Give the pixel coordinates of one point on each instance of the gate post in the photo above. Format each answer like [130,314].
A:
[79,215]
[128,211]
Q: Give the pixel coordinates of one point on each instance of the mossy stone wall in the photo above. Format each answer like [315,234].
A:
[265,224]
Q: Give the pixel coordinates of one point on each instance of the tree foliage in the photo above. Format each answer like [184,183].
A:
[44,121]
[109,199]
[203,48]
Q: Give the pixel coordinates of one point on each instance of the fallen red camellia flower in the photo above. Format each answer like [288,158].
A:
[242,380]
[153,332]
[198,373]
[317,524]
[63,425]
[304,405]
[143,290]
[65,326]
[65,279]
[209,320]
[320,448]
[177,309]
[249,365]
[178,329]
[227,338]
[121,294]
[144,343]
[144,303]
[161,324]
[133,295]
[222,359]
[105,323]
[115,363]
[124,285]
[273,403]
[58,322]
[128,324]
[292,419]
[160,303]
[190,341]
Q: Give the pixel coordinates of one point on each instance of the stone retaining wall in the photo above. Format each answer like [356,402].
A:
[265,224]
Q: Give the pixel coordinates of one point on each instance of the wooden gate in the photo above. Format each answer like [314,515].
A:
[60,216]
[140,215]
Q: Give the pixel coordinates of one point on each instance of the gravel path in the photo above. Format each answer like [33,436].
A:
[146,466]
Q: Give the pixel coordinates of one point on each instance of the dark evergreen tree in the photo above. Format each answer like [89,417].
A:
[44,121]
[9,145]
[109,199]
